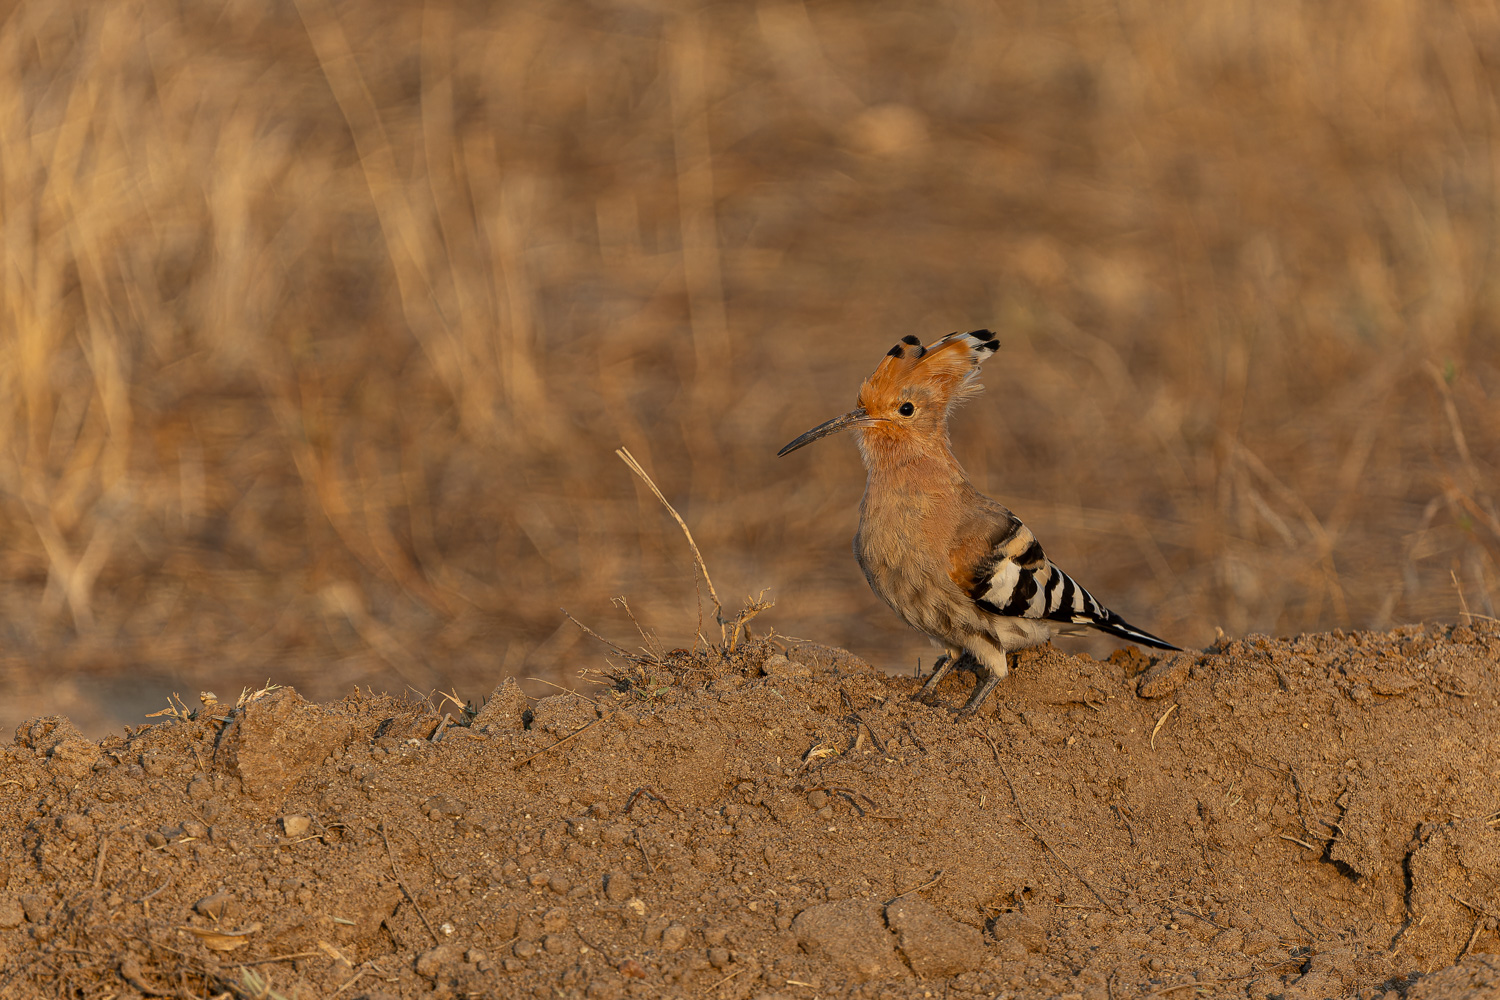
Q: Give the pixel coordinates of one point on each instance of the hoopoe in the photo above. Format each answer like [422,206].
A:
[949,560]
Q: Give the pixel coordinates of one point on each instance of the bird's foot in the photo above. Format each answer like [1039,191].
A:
[965,661]
[986,683]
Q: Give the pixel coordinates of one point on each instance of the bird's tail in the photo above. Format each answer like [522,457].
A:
[1121,629]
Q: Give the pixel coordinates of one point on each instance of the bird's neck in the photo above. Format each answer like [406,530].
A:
[910,458]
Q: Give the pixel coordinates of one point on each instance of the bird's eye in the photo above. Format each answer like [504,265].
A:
[906,409]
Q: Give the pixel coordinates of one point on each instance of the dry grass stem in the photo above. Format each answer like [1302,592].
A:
[713,595]
[938,877]
[1161,722]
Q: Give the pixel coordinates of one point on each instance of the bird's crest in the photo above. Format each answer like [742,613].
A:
[950,367]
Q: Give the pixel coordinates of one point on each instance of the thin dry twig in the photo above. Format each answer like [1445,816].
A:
[1120,812]
[652,794]
[154,892]
[354,979]
[402,883]
[726,979]
[874,736]
[1474,936]
[641,846]
[1021,818]
[575,733]
[921,888]
[564,690]
[915,739]
[652,647]
[1053,851]
[620,651]
[1472,907]
[1464,603]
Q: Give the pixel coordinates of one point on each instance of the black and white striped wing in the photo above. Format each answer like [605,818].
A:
[1015,579]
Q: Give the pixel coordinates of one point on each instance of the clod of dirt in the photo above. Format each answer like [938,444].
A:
[851,936]
[433,963]
[11,913]
[1454,867]
[1165,676]
[1475,978]
[780,667]
[277,738]
[217,907]
[505,709]
[1021,929]
[1361,825]
[45,733]
[935,945]
[66,750]
[618,886]
[828,659]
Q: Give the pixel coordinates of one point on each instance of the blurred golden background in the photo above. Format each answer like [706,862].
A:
[321,321]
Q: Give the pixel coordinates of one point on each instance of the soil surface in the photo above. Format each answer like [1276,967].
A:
[1297,818]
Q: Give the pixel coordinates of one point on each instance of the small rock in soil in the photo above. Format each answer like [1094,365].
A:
[674,937]
[850,935]
[934,943]
[217,906]
[75,826]
[618,886]
[431,963]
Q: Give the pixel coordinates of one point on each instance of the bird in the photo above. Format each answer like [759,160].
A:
[950,561]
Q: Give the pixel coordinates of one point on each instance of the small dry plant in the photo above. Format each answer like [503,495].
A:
[652,668]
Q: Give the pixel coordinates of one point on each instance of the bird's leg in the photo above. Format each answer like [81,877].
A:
[940,669]
[945,665]
[986,679]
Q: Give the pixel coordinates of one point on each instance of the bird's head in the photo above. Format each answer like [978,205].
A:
[906,400]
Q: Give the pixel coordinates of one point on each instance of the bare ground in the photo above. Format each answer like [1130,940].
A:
[1303,818]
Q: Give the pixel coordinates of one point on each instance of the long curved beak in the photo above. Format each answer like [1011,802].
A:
[833,426]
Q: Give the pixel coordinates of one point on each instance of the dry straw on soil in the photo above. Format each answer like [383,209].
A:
[321,321]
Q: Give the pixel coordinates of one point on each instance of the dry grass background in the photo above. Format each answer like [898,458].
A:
[321,321]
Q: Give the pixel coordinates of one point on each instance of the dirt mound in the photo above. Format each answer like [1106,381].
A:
[1301,818]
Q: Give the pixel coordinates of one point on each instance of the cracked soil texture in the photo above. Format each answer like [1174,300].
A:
[1296,818]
